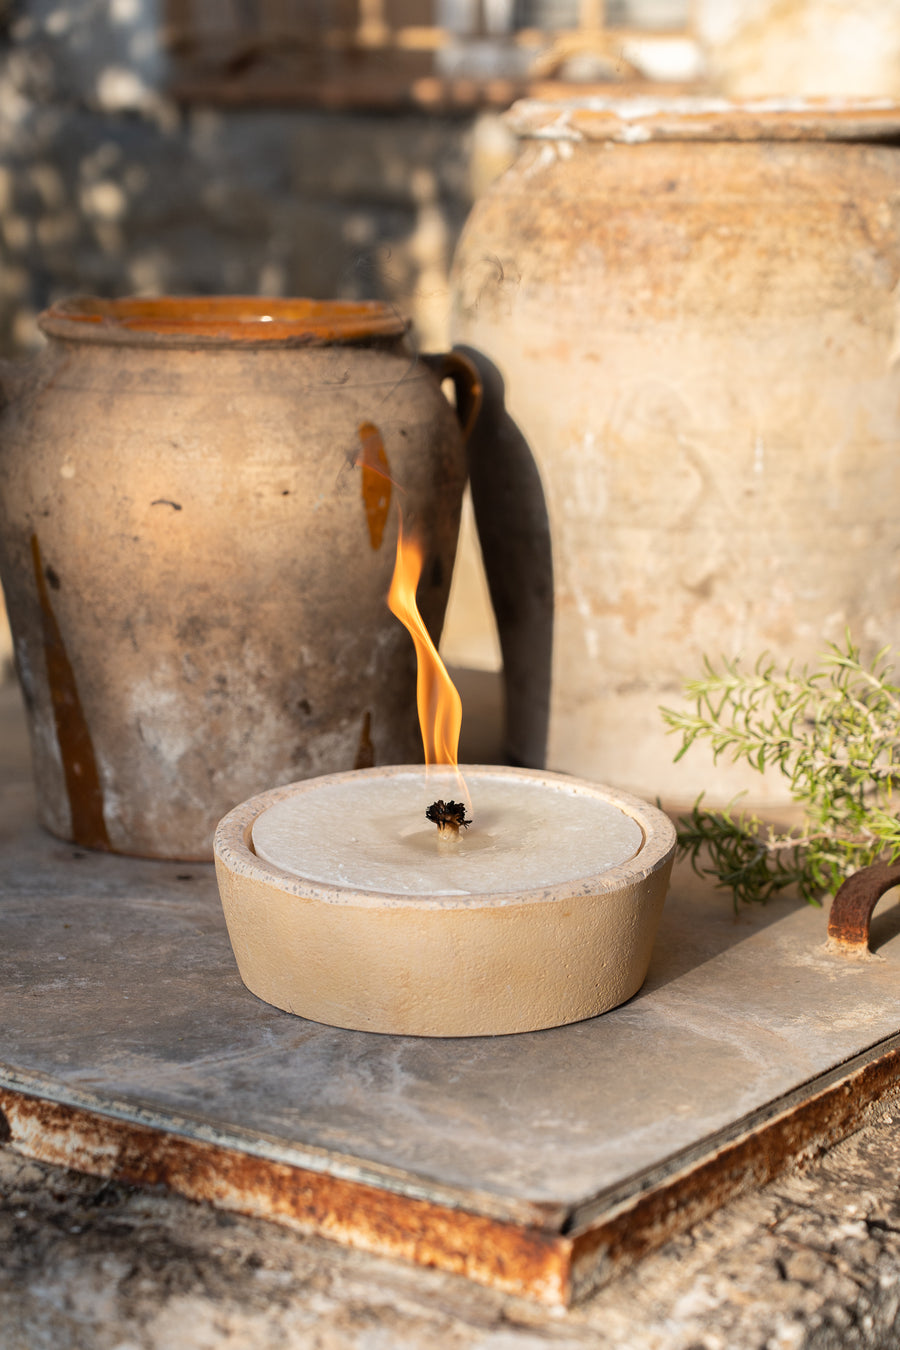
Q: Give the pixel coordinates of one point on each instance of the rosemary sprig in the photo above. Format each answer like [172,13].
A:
[834,733]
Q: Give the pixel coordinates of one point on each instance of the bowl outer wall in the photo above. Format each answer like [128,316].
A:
[451,966]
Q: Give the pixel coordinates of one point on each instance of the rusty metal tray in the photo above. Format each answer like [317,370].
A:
[536,1163]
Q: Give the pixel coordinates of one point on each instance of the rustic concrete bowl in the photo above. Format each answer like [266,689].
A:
[451,964]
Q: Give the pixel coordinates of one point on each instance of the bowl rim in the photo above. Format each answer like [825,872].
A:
[233,851]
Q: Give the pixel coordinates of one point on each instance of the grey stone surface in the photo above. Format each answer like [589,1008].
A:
[812,1262]
[118,985]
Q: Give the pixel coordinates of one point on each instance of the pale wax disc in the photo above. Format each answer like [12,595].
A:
[372,835]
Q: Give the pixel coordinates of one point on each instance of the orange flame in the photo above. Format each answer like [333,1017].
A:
[440,707]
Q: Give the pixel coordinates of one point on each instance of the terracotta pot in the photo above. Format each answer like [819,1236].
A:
[453,962]
[196,540]
[690,311]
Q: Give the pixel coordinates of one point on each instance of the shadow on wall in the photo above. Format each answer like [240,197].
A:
[514,532]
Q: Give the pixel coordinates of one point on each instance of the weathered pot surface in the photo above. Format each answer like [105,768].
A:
[451,962]
[198,521]
[687,313]
[634,121]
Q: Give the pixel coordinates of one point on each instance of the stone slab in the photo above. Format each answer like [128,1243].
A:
[809,1263]
[117,987]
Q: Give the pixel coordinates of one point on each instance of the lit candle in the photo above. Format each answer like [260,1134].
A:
[344,906]
[426,901]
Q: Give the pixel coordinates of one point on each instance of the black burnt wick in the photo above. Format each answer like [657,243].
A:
[448,816]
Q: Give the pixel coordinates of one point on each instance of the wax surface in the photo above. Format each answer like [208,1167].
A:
[372,835]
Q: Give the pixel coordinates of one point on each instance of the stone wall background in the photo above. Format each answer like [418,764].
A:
[108,186]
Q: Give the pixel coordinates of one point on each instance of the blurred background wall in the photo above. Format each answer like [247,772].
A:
[332,148]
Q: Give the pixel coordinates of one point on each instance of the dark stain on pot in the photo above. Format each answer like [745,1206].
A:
[52,577]
[75,745]
[193,631]
[365,753]
[164,501]
[376,481]
[305,706]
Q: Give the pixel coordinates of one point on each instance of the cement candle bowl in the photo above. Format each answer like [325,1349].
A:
[544,913]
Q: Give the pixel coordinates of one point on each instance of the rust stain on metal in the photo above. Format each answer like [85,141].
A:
[376,480]
[548,1264]
[794,1136]
[519,1259]
[854,904]
[365,752]
[76,748]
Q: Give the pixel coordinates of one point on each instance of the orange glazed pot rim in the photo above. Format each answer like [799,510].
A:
[222,320]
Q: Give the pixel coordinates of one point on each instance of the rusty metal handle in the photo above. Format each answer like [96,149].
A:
[852,907]
[466,381]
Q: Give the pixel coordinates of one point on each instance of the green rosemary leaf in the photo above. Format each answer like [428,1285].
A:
[833,733]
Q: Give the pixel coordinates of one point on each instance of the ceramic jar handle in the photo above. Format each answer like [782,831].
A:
[466,381]
[854,903]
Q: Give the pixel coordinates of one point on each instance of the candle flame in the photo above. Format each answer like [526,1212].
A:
[439,704]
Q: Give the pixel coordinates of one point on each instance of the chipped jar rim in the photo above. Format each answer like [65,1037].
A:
[222,320]
[638,119]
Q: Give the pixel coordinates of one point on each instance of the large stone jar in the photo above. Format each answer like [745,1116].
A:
[690,309]
[197,536]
